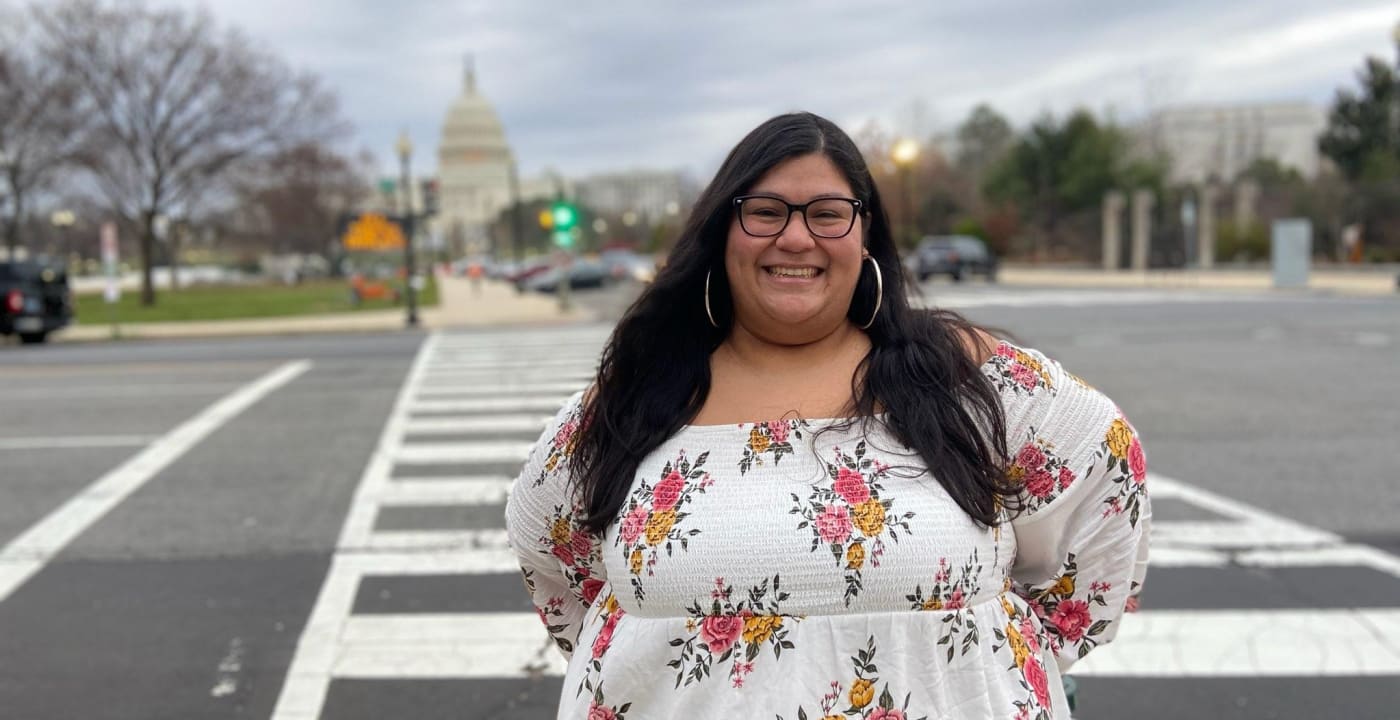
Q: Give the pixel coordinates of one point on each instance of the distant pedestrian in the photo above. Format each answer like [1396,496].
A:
[475,271]
[790,494]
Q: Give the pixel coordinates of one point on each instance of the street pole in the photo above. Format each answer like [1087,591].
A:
[517,226]
[405,148]
[903,154]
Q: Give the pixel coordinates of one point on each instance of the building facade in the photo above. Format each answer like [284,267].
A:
[474,171]
[1219,142]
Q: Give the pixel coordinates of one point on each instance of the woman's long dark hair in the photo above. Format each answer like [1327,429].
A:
[654,374]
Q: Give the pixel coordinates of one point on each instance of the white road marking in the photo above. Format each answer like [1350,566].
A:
[487,645]
[32,549]
[1250,643]
[548,403]
[464,452]
[75,442]
[1372,339]
[504,389]
[117,391]
[227,683]
[483,491]
[477,425]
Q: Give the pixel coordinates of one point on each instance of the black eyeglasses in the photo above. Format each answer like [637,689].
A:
[767,216]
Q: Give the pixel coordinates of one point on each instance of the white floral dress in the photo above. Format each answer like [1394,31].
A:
[811,568]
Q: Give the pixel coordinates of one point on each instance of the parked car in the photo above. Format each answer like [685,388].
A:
[34,300]
[628,265]
[956,256]
[582,273]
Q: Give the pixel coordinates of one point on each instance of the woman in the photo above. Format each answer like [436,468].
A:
[789,494]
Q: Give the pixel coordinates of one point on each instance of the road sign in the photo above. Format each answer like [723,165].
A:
[373,232]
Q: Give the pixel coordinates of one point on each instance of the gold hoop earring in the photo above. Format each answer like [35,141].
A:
[879,293]
[709,314]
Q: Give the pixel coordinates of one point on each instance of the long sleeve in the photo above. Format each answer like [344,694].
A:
[1082,532]
[559,559]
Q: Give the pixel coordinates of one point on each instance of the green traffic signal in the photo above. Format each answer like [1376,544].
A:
[565,216]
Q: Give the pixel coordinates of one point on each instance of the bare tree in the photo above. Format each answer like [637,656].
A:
[295,200]
[41,125]
[178,104]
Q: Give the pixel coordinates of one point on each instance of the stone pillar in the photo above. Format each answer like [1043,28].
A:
[1142,227]
[1246,198]
[1112,229]
[1205,226]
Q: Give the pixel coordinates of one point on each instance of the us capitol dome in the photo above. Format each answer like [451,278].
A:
[474,170]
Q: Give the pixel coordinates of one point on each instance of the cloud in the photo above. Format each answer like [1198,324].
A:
[598,86]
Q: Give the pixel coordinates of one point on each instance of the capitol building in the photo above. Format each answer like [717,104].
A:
[476,170]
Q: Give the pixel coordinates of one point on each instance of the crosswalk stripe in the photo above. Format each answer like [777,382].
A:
[485,645]
[475,452]
[484,491]
[468,425]
[550,403]
[437,540]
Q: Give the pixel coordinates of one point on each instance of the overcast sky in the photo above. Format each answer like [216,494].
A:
[587,87]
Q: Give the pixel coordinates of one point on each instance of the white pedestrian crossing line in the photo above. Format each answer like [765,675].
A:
[457,377]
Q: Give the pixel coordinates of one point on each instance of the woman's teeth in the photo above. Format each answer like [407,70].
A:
[793,272]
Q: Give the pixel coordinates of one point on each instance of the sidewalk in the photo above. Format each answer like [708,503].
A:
[1342,282]
[499,304]
[458,306]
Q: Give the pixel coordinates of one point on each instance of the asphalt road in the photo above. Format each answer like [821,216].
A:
[172,509]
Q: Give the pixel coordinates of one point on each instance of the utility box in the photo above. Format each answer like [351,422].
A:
[1291,251]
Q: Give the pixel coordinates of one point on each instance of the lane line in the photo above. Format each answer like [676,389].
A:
[35,547]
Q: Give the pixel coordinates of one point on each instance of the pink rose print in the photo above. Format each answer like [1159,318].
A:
[566,433]
[604,639]
[890,714]
[634,523]
[1066,478]
[590,589]
[955,601]
[668,491]
[778,431]
[564,553]
[1024,376]
[851,486]
[600,712]
[1131,606]
[581,543]
[1005,351]
[1029,634]
[1072,619]
[1137,462]
[834,524]
[718,632]
[1040,484]
[1040,683]
[1030,457]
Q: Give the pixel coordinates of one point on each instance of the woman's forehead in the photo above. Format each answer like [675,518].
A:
[803,177]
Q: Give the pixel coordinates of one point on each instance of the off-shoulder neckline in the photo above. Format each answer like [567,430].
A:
[879,417]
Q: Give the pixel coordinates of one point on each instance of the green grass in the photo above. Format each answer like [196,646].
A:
[232,302]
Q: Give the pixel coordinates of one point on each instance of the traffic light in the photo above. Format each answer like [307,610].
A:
[563,217]
[429,191]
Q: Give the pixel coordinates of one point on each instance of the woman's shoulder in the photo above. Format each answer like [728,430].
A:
[1036,390]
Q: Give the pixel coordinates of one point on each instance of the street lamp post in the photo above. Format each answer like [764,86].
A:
[904,153]
[62,220]
[405,150]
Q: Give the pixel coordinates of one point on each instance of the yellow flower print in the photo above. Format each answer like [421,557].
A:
[1016,473]
[1119,438]
[933,604]
[862,692]
[610,605]
[659,525]
[560,533]
[635,562]
[551,463]
[759,628]
[1065,586]
[1007,606]
[757,440]
[855,557]
[870,517]
[833,717]
[1019,649]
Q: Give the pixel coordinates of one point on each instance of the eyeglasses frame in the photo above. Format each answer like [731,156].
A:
[857,205]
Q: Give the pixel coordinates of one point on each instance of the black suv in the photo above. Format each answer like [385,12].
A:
[954,255]
[34,300]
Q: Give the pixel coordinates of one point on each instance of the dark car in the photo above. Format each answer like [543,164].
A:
[582,273]
[956,256]
[34,300]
